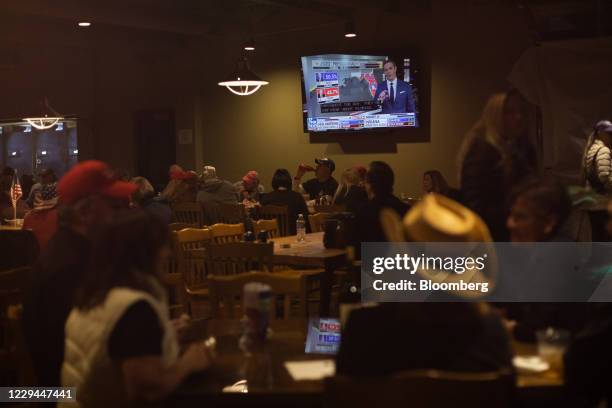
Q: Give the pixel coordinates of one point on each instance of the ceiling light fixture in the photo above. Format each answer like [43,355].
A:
[243,81]
[349,29]
[84,24]
[47,120]
[249,45]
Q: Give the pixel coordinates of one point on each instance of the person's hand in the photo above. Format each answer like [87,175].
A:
[509,325]
[302,169]
[198,356]
[382,96]
[181,324]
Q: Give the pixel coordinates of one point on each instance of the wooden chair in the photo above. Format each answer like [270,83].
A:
[177,226]
[230,213]
[191,263]
[280,213]
[188,213]
[329,208]
[224,233]
[239,257]
[421,389]
[15,364]
[271,226]
[317,222]
[226,293]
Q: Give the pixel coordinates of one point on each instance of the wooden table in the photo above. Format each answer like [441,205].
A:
[311,253]
[278,388]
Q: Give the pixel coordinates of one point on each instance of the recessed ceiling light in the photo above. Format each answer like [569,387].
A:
[349,29]
[84,23]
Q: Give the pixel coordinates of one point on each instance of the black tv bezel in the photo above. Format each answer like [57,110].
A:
[422,74]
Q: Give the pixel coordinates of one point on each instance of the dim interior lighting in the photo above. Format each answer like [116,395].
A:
[243,81]
[43,152]
[349,29]
[75,151]
[14,154]
[84,24]
[47,120]
[249,45]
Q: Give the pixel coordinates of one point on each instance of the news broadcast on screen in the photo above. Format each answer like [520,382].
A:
[357,92]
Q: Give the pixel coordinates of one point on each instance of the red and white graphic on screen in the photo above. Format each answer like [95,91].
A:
[372,81]
[331,92]
[16,192]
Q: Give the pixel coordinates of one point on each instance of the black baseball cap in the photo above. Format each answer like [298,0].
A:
[326,162]
[604,126]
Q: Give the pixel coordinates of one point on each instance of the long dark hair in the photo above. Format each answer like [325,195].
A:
[124,254]
[438,182]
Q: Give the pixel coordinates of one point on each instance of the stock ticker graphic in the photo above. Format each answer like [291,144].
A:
[342,93]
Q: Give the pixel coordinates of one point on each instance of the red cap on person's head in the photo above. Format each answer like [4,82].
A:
[89,178]
[250,179]
[361,170]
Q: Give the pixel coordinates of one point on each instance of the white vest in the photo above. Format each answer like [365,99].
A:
[87,365]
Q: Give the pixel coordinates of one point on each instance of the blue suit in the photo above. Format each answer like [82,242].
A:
[404,101]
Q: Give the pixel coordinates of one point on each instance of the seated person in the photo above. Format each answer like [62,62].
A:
[249,188]
[350,193]
[46,177]
[322,185]
[539,208]
[212,192]
[458,336]
[379,187]
[144,198]
[121,349]
[42,220]
[284,196]
[434,182]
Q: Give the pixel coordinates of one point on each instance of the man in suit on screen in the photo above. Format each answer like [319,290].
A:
[393,94]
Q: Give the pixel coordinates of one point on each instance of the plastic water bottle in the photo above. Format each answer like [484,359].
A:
[300,228]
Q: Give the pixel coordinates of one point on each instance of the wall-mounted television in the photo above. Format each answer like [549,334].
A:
[348,93]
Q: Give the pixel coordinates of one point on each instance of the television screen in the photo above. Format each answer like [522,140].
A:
[356,92]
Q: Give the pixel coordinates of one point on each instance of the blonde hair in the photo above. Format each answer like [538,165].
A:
[144,186]
[490,127]
[350,177]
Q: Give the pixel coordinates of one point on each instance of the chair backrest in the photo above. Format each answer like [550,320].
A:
[335,208]
[14,358]
[224,233]
[280,213]
[238,257]
[317,221]
[230,213]
[188,213]
[177,226]
[422,388]
[226,294]
[271,226]
[191,266]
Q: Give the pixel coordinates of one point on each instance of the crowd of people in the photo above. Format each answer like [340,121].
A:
[97,317]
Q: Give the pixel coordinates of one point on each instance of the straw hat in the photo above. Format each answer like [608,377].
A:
[438,219]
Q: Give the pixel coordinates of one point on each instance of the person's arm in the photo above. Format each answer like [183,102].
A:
[603,163]
[146,378]
[136,345]
[297,179]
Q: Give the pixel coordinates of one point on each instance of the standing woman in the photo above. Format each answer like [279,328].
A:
[496,155]
[121,347]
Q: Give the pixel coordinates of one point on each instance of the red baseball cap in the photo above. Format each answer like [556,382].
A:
[92,177]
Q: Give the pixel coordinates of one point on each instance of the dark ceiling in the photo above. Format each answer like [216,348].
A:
[548,19]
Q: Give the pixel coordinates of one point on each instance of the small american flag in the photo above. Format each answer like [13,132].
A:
[16,192]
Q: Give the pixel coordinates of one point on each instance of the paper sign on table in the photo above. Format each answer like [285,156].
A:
[311,370]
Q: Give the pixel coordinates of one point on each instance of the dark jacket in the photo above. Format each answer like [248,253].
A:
[369,228]
[354,200]
[56,278]
[213,192]
[314,187]
[381,340]
[292,200]
[486,183]
[157,207]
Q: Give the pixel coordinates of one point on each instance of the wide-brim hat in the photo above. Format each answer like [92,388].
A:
[438,219]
